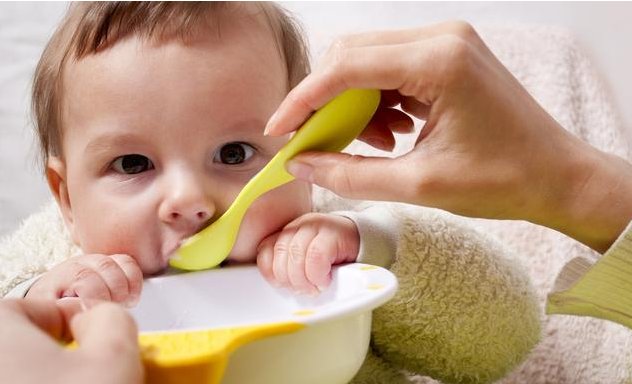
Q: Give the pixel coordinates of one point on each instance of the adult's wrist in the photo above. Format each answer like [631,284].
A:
[592,197]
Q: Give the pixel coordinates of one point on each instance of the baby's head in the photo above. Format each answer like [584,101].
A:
[150,118]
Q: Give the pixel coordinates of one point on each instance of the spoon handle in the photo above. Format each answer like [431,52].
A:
[331,129]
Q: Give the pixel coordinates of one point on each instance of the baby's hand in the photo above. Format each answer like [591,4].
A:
[300,256]
[115,278]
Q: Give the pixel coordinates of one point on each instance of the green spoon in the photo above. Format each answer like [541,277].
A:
[330,129]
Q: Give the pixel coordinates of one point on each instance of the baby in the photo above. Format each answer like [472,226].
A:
[151,118]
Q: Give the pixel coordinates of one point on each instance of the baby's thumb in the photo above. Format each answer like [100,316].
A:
[351,176]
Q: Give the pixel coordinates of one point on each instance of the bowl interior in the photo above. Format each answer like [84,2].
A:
[236,296]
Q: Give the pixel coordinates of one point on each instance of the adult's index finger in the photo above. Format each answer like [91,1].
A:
[46,315]
[367,67]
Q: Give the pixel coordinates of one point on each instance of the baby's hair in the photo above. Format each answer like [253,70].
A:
[92,27]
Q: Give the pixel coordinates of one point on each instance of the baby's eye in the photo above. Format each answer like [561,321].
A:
[234,153]
[132,164]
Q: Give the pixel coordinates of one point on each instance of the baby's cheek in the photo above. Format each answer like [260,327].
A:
[255,227]
[268,215]
[142,248]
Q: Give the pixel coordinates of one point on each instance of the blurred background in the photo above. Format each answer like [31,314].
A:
[602,30]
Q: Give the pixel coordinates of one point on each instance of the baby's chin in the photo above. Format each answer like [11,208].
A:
[241,254]
[153,265]
[155,270]
[242,257]
[251,235]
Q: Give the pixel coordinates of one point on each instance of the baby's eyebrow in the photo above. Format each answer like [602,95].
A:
[108,141]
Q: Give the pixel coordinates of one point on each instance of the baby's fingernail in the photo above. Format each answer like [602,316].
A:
[132,300]
[89,303]
[75,299]
[306,291]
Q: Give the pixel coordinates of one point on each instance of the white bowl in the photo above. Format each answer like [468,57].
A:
[335,326]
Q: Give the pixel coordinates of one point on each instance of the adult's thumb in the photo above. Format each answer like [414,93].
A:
[108,332]
[351,176]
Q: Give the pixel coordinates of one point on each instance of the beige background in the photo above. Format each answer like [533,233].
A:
[602,29]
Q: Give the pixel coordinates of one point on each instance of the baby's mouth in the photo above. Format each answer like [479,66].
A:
[163,268]
[171,251]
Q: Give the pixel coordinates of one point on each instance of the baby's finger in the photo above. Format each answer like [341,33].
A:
[47,287]
[111,274]
[296,260]
[134,275]
[280,257]
[321,254]
[265,257]
[88,284]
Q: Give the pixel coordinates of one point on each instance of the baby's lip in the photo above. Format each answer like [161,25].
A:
[171,251]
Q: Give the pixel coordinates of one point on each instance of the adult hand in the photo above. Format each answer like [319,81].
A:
[487,148]
[30,351]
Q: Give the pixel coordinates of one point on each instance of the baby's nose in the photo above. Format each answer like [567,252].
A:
[187,212]
[199,214]
[187,205]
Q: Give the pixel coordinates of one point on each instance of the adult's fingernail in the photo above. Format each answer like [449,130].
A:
[300,170]
[271,122]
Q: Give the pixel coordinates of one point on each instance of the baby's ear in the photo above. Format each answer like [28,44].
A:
[56,177]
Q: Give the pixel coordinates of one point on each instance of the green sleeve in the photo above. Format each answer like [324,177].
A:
[602,289]
[465,310]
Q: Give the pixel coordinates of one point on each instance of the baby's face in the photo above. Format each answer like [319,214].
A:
[160,138]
